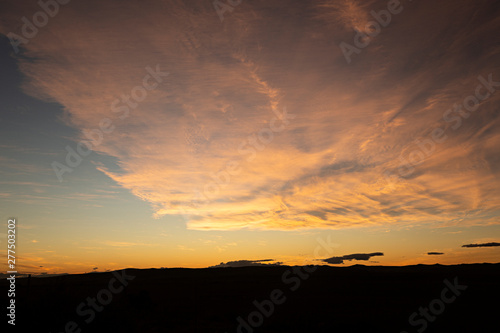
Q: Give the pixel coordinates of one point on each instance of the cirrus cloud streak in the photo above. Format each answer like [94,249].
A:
[353,123]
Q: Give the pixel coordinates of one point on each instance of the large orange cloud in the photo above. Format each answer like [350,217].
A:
[210,141]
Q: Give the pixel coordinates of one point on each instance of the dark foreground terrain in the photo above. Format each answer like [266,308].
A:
[263,299]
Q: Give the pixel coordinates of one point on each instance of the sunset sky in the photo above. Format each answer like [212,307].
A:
[249,131]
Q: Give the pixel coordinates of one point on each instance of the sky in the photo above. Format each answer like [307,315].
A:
[201,133]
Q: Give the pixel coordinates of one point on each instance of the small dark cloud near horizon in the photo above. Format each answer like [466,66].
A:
[482,245]
[435,253]
[244,263]
[355,256]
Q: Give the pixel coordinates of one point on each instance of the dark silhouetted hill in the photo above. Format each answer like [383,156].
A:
[330,299]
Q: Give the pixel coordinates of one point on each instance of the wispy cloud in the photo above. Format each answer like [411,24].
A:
[245,263]
[493,244]
[326,168]
[348,14]
[121,244]
[185,248]
[356,256]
